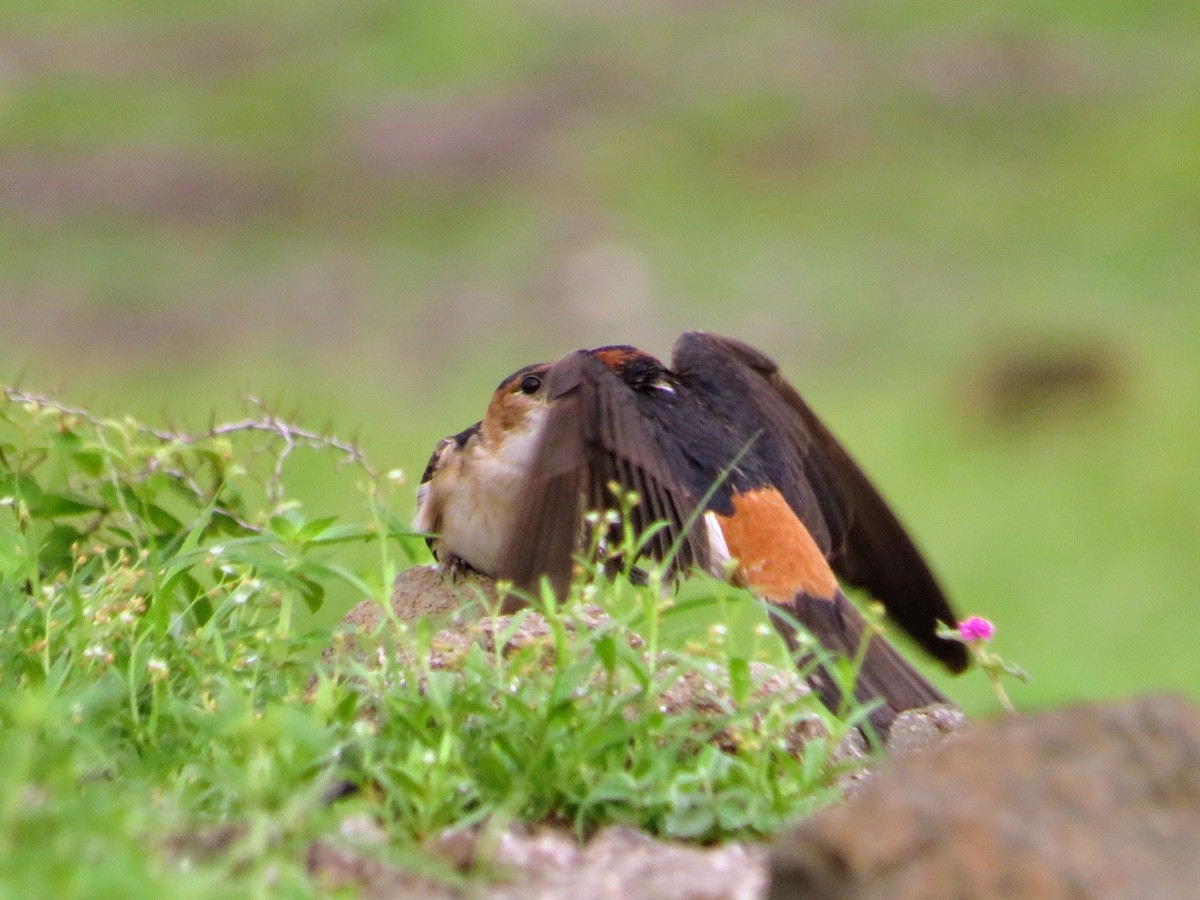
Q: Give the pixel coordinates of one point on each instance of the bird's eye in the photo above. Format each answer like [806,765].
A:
[530,384]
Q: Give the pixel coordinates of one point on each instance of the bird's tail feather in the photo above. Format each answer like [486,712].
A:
[883,674]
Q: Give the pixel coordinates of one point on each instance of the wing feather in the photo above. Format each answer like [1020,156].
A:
[593,435]
[864,540]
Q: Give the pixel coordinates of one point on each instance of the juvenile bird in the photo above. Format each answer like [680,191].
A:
[750,483]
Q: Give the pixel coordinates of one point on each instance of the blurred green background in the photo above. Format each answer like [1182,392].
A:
[970,235]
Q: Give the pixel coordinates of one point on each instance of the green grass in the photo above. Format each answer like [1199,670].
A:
[886,199]
[164,735]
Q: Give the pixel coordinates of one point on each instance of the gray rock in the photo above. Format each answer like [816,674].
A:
[547,862]
[1097,801]
[550,864]
[462,601]
[624,864]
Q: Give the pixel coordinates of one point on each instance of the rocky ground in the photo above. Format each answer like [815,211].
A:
[1095,801]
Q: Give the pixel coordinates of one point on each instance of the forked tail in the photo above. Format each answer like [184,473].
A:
[884,675]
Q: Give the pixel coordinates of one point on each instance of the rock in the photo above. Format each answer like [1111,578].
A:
[624,864]
[464,600]
[416,592]
[1097,801]
[343,870]
[544,861]
[916,729]
[550,864]
[427,591]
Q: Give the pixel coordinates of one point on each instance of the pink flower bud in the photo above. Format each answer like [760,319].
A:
[976,628]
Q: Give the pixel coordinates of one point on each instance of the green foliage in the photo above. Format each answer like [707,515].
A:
[150,676]
[383,207]
[578,727]
[161,724]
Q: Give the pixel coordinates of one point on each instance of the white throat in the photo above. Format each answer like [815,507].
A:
[472,500]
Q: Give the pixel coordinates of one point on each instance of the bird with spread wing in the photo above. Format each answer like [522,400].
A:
[750,484]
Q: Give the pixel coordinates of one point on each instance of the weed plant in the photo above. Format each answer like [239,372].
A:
[167,729]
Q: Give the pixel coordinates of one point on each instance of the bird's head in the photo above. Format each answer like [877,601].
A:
[517,407]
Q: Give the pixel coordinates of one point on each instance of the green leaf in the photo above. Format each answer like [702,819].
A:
[200,605]
[440,689]
[339,534]
[224,523]
[492,771]
[605,648]
[613,787]
[287,524]
[66,442]
[163,520]
[735,809]
[56,554]
[813,759]
[311,591]
[569,681]
[52,505]
[180,562]
[90,462]
[739,679]
[20,486]
[155,484]
[311,530]
[1016,672]
[690,820]
[634,663]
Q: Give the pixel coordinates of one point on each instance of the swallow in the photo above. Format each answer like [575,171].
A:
[750,484]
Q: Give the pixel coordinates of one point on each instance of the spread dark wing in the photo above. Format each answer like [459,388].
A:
[864,541]
[593,435]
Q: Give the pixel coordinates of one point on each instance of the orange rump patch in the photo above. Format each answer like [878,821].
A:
[776,556]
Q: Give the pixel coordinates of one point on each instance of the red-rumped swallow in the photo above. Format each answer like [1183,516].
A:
[752,485]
